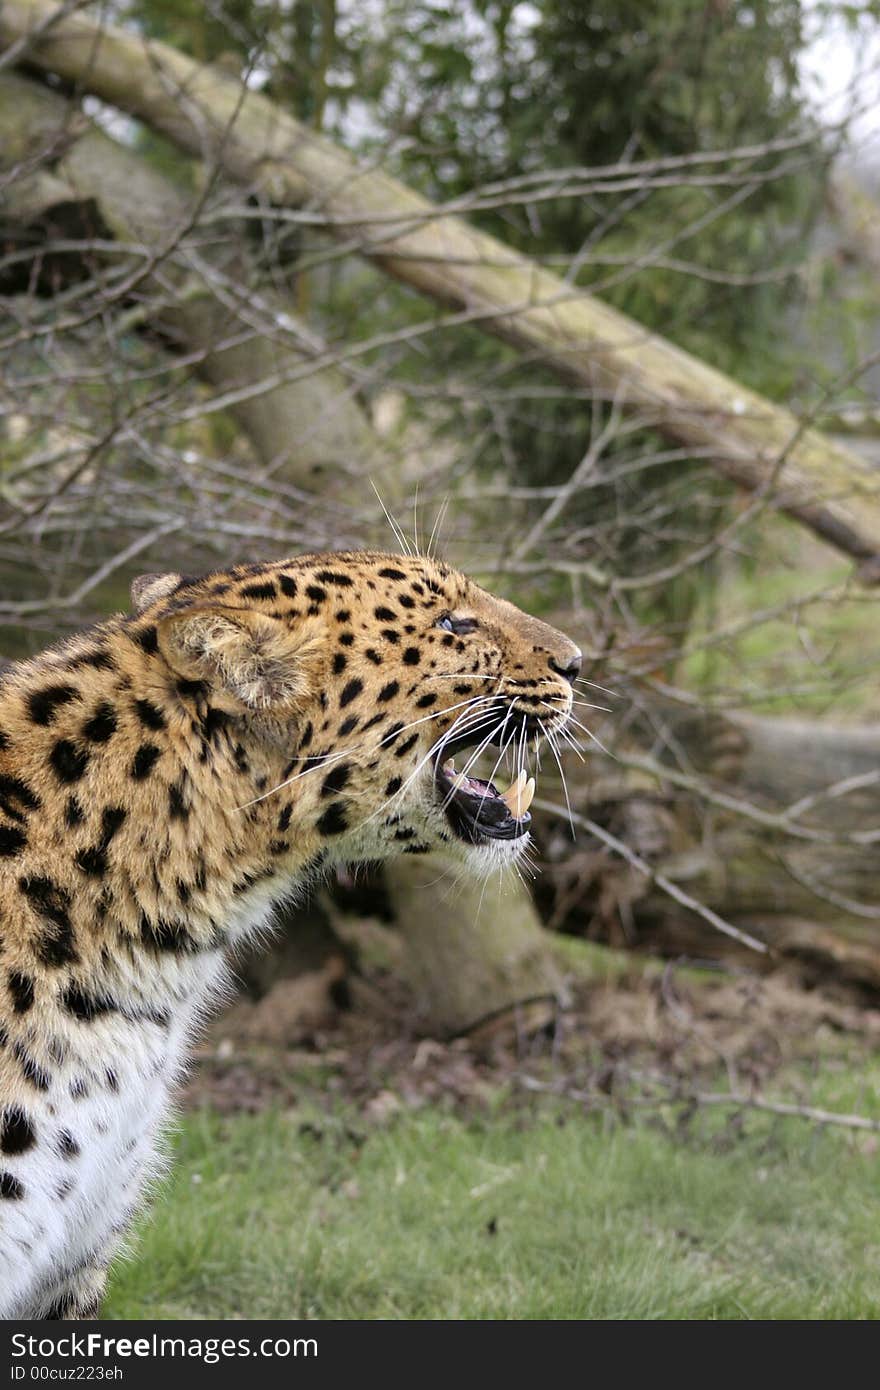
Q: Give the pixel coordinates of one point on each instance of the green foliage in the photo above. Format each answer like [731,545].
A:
[302,54]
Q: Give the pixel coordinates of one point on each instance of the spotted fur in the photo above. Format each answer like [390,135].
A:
[167,778]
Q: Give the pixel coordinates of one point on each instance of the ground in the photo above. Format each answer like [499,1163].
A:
[373,1173]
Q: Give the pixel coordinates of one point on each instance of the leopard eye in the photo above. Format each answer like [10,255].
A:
[459,626]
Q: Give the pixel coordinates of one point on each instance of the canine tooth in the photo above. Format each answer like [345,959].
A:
[513,795]
[527,797]
[449,767]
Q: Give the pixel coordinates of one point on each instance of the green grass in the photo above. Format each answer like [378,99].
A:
[551,1215]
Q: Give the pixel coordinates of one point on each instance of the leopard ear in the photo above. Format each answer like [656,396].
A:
[253,662]
[147,588]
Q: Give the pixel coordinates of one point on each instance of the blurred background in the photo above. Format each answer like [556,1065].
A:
[582,296]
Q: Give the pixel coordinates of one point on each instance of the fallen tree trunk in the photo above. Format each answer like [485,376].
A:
[755,444]
[469,952]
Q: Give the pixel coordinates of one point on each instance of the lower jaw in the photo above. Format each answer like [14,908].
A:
[471,832]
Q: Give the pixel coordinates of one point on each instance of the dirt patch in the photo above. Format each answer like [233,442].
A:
[647,1026]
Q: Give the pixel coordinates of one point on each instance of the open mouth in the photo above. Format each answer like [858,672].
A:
[476,810]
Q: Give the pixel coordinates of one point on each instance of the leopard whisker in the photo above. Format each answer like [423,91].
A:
[436,528]
[476,753]
[349,751]
[396,528]
[462,722]
[552,744]
[582,680]
[589,733]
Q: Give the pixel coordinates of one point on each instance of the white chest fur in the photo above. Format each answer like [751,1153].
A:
[98,1129]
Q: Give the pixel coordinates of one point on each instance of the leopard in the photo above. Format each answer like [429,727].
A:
[171,776]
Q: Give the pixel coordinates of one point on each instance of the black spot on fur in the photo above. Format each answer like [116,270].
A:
[67,1145]
[343,615]
[391,574]
[214,720]
[346,639]
[339,663]
[178,808]
[385,615]
[348,725]
[342,581]
[288,585]
[4,741]
[149,714]
[391,735]
[10,1187]
[43,705]
[147,639]
[265,590]
[394,786]
[405,601]
[54,947]
[30,1068]
[11,840]
[92,861]
[102,724]
[412,656]
[425,700]
[190,690]
[166,936]
[85,1006]
[17,1133]
[98,658]
[284,818]
[337,778]
[68,762]
[406,746]
[16,798]
[373,656]
[334,820]
[315,593]
[73,812]
[389,691]
[390,635]
[112,818]
[144,760]
[371,723]
[350,692]
[21,987]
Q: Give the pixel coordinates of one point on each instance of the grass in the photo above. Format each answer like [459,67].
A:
[554,1214]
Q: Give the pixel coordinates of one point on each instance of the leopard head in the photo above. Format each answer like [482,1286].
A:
[378,680]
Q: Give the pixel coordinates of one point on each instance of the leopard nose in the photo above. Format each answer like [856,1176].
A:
[568,666]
